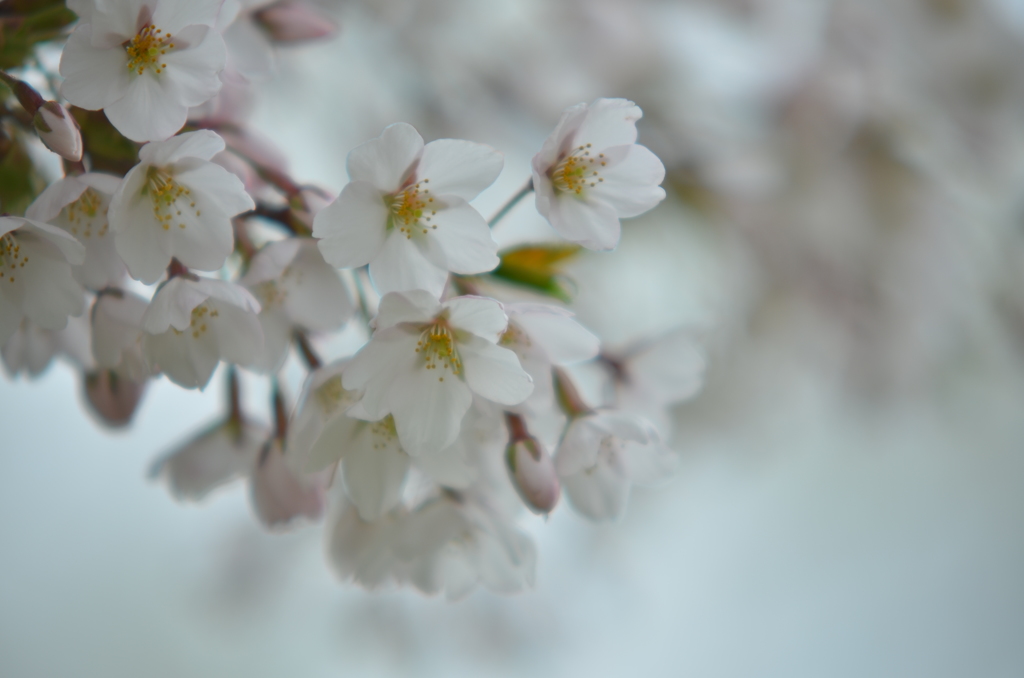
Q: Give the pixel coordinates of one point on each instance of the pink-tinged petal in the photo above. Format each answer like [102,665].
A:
[215,184]
[352,229]
[386,162]
[477,315]
[402,266]
[54,198]
[579,447]
[173,16]
[560,139]
[374,470]
[202,144]
[374,368]
[599,493]
[592,223]
[317,298]
[194,68]
[428,408]
[494,373]
[414,306]
[10,318]
[278,495]
[172,306]
[465,239]
[457,167]
[553,329]
[609,122]
[632,186]
[362,551]
[219,455]
[93,78]
[149,110]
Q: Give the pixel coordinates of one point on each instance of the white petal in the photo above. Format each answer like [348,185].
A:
[387,161]
[460,168]
[352,229]
[670,370]
[217,185]
[231,293]
[187,362]
[650,464]
[278,495]
[202,144]
[600,493]
[589,222]
[277,337]
[138,241]
[194,69]
[632,186]
[374,470]
[93,78]
[465,239]
[56,197]
[481,316]
[560,337]
[49,292]
[402,266]
[150,109]
[173,16]
[559,141]
[494,372]
[271,261]
[609,122]
[172,306]
[414,306]
[374,368]
[428,409]
[238,334]
[73,251]
[317,298]
[219,455]
[579,447]
[10,318]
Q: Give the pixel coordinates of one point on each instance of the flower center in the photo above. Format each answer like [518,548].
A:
[166,193]
[270,294]
[330,395]
[384,432]
[81,213]
[437,347]
[201,315]
[146,48]
[11,257]
[411,206]
[577,171]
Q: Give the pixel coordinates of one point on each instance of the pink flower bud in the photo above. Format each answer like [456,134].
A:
[533,474]
[278,495]
[59,131]
[112,398]
[295,21]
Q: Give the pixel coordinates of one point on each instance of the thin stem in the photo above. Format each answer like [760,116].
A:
[512,202]
[517,430]
[569,398]
[313,361]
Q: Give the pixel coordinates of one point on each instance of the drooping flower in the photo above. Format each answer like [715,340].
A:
[589,173]
[296,290]
[144,62]
[603,454]
[427,359]
[117,334]
[279,495]
[30,349]
[405,211]
[79,205]
[35,276]
[175,203]
[194,323]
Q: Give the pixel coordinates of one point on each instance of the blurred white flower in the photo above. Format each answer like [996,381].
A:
[35,276]
[589,173]
[279,495]
[175,203]
[296,290]
[79,204]
[426,360]
[117,334]
[30,349]
[194,323]
[144,62]
[602,454]
[405,211]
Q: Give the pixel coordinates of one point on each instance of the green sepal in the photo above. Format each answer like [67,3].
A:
[536,267]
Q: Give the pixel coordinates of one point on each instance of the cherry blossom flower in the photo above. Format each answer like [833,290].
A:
[31,349]
[112,398]
[426,360]
[602,454]
[79,204]
[117,334]
[296,290]
[175,203]
[589,173]
[144,62]
[542,335]
[279,495]
[35,276]
[405,211]
[193,323]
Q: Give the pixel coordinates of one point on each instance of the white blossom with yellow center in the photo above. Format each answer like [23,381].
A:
[175,203]
[406,213]
[144,62]
[194,323]
[427,359]
[590,173]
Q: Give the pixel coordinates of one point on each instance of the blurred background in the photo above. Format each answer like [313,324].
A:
[844,233]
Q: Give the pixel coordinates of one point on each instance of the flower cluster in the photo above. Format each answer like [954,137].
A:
[196,248]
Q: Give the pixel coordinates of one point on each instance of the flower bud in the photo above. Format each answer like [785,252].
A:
[295,21]
[59,131]
[112,398]
[533,474]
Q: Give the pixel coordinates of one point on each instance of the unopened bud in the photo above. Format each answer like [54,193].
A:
[59,131]
[112,398]
[533,474]
[295,21]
